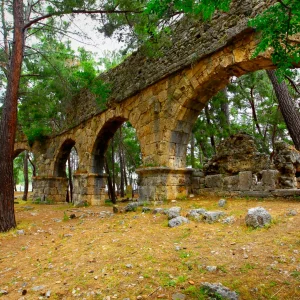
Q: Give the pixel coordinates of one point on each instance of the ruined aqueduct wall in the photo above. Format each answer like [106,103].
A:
[190,42]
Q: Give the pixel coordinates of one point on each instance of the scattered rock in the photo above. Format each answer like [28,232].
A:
[228,220]
[291,213]
[177,248]
[129,266]
[158,210]
[257,217]
[222,202]
[115,209]
[81,204]
[3,292]
[191,195]
[38,288]
[211,268]
[173,212]
[178,296]
[48,294]
[173,201]
[132,206]
[146,209]
[178,221]
[68,235]
[20,232]
[28,208]
[196,213]
[217,289]
[212,216]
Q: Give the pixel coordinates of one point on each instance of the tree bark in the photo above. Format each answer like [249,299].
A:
[225,113]
[287,107]
[212,138]
[111,189]
[193,150]
[70,180]
[25,195]
[8,123]
[122,190]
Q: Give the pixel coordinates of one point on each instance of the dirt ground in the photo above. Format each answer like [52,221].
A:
[100,255]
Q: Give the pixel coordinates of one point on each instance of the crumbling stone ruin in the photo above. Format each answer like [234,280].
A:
[239,167]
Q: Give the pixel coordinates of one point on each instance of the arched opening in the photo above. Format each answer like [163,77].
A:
[65,165]
[248,105]
[117,154]
[62,157]
[24,170]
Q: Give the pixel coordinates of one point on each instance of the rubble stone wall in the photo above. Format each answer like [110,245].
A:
[238,167]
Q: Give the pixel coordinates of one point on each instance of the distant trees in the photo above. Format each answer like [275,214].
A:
[253,109]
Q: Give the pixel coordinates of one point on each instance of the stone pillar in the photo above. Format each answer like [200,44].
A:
[89,187]
[163,183]
[49,188]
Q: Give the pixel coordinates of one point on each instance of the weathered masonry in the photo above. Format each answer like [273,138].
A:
[161,97]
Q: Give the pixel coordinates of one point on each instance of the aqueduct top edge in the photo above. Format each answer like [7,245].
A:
[191,41]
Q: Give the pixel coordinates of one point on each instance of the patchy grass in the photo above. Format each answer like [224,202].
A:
[136,254]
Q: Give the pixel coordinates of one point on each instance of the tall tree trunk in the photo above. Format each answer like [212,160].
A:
[33,170]
[33,166]
[8,123]
[124,166]
[225,112]
[70,179]
[193,150]
[113,165]
[122,190]
[253,109]
[25,195]
[111,190]
[287,107]
[212,138]
[122,194]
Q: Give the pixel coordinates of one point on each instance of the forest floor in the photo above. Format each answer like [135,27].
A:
[100,255]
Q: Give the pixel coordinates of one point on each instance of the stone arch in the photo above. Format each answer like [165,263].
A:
[61,158]
[20,147]
[200,83]
[101,142]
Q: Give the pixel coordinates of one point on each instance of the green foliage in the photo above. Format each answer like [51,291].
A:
[277,26]
[65,217]
[253,109]
[53,75]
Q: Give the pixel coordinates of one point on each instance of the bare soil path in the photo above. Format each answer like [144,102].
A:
[100,255]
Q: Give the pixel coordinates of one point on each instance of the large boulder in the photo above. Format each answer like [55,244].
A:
[257,217]
[219,291]
[178,221]
[173,212]
[235,154]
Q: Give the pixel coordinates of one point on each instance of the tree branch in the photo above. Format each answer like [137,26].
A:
[79,11]
[293,84]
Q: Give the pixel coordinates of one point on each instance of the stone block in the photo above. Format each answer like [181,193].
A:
[286,192]
[255,194]
[214,181]
[231,183]
[270,179]
[245,181]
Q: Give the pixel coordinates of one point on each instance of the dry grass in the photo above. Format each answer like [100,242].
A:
[133,254]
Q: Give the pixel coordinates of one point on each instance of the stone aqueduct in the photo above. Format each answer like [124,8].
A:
[162,98]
